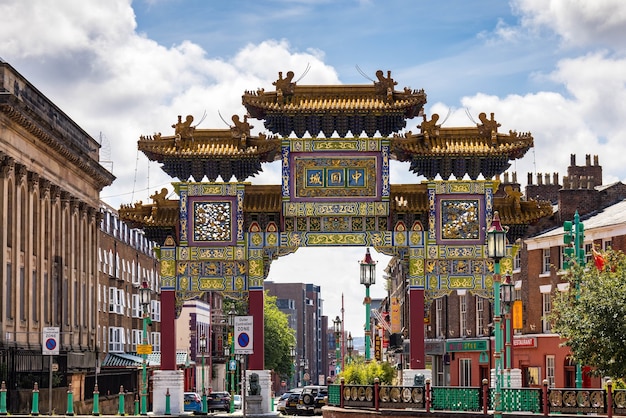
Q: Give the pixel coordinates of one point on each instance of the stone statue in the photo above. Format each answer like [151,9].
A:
[255,388]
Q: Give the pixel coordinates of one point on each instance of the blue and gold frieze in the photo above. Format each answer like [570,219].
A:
[338,176]
[315,144]
[305,209]
[286,170]
[385,191]
[312,239]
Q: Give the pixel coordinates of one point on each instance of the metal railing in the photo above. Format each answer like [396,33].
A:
[541,400]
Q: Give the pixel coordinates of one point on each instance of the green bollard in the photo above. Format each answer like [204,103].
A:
[121,408]
[167,402]
[3,398]
[70,401]
[35,410]
[136,404]
[96,401]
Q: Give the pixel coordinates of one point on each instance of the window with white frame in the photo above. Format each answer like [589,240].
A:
[546,309]
[116,339]
[155,310]
[480,320]
[562,256]
[439,317]
[607,244]
[550,369]
[463,313]
[104,298]
[465,372]
[517,261]
[127,341]
[545,260]
[137,333]
[128,305]
[156,341]
[136,307]
[116,300]
[588,252]
[104,339]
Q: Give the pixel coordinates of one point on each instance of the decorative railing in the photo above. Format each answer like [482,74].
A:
[542,400]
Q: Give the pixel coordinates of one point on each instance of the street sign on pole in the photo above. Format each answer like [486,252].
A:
[50,341]
[243,335]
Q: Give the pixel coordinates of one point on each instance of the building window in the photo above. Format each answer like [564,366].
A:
[156,341]
[480,320]
[116,300]
[136,307]
[155,310]
[137,333]
[439,317]
[550,367]
[588,252]
[465,372]
[463,314]
[546,309]
[545,260]
[517,262]
[116,339]
[607,244]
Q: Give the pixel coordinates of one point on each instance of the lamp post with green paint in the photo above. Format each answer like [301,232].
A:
[349,347]
[496,250]
[144,297]
[231,323]
[202,351]
[337,329]
[368,278]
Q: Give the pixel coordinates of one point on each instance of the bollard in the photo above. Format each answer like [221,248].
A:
[341,384]
[427,397]
[376,393]
[96,401]
[544,397]
[3,398]
[120,409]
[35,410]
[609,398]
[70,401]
[136,404]
[167,402]
[485,396]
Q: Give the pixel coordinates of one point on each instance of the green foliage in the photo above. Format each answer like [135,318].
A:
[360,373]
[279,339]
[591,316]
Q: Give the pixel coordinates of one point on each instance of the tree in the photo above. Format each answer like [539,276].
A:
[360,373]
[591,315]
[279,339]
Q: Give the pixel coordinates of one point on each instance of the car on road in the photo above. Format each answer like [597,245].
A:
[192,402]
[312,399]
[219,401]
[291,403]
[237,401]
[282,401]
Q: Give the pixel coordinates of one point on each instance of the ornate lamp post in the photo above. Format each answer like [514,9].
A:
[292,355]
[202,351]
[144,299]
[231,323]
[507,289]
[337,329]
[496,250]
[349,347]
[368,278]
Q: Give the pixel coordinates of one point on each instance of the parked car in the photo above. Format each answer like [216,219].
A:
[219,401]
[291,404]
[192,402]
[237,401]
[282,401]
[312,399]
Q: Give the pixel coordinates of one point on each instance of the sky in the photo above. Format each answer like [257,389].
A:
[122,69]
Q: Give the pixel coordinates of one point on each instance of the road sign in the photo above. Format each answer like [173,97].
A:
[50,338]
[232,365]
[144,349]
[243,335]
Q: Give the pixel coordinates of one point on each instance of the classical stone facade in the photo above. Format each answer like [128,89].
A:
[50,180]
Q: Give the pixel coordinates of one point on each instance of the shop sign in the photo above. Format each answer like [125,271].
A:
[466,345]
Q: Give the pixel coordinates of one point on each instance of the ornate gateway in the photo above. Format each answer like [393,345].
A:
[335,191]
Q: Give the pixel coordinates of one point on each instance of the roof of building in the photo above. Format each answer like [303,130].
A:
[609,216]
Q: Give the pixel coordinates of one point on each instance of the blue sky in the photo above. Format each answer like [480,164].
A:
[121,69]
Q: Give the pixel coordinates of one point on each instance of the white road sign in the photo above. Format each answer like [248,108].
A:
[50,341]
[243,335]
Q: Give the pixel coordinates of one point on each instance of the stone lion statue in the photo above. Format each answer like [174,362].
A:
[255,388]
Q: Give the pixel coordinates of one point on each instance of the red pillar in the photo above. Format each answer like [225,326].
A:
[416,307]
[256,361]
[168,333]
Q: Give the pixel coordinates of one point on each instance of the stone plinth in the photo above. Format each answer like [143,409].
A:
[162,380]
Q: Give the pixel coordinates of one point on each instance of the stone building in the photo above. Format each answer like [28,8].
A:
[50,180]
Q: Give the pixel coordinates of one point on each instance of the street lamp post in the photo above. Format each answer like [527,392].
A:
[496,250]
[337,328]
[507,289]
[231,323]
[144,298]
[292,355]
[202,351]
[368,278]
[349,347]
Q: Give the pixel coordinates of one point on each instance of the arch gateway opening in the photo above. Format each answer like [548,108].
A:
[335,144]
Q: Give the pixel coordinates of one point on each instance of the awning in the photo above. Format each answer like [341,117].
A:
[133,360]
